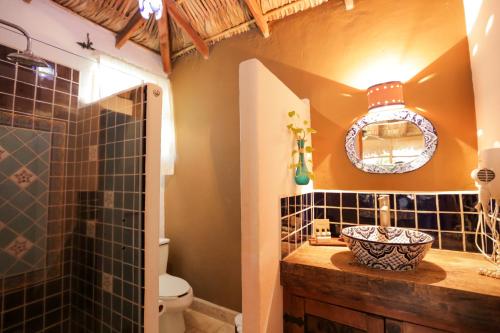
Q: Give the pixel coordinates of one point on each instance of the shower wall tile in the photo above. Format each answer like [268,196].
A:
[44,225]
[24,205]
[108,186]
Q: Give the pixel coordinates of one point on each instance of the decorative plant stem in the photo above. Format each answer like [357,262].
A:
[302,173]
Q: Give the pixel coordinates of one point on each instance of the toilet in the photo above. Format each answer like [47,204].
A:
[176,295]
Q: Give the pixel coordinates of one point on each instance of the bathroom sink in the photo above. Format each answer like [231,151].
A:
[389,248]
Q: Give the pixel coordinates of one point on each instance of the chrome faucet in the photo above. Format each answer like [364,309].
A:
[384,211]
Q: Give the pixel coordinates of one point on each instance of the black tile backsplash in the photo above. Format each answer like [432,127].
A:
[349,200]
[366,200]
[470,221]
[332,199]
[405,202]
[333,214]
[450,217]
[367,216]
[449,202]
[296,218]
[426,202]
[349,215]
[469,202]
[427,221]
[452,241]
[450,221]
[406,219]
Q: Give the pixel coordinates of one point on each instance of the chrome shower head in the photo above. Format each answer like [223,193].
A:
[26,57]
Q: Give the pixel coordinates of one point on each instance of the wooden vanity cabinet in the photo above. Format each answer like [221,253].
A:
[303,315]
[325,290]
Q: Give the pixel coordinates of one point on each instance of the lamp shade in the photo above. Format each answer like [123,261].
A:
[385,94]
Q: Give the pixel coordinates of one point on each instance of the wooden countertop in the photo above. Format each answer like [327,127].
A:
[445,290]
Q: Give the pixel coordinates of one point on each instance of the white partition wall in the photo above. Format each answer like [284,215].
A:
[483,32]
[265,154]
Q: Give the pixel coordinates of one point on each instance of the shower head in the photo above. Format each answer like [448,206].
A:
[26,57]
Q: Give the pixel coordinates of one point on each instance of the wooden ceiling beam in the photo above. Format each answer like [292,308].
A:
[163,35]
[349,4]
[260,20]
[175,13]
[132,26]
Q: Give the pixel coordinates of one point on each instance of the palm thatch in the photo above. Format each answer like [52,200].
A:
[212,20]
[114,15]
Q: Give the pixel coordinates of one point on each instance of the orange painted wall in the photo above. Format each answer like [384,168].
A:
[422,43]
[329,55]
[446,99]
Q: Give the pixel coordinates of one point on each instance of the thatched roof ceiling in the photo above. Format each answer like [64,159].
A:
[193,24]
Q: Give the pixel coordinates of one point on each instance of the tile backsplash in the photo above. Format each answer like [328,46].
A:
[450,217]
[296,220]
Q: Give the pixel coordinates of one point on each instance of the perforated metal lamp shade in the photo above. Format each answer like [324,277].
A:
[385,94]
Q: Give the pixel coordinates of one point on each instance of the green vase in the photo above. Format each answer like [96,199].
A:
[301,172]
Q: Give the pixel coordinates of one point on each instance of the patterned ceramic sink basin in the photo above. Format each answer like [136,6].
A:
[390,248]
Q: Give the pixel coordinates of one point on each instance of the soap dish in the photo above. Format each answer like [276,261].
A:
[334,241]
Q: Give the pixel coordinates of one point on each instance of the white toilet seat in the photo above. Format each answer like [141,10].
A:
[172,286]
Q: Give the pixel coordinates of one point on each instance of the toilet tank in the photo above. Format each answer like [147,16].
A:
[163,257]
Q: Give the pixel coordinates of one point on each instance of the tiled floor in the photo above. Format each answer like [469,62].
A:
[197,322]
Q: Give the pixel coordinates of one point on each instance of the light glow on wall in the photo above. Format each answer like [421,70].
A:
[426,78]
[475,49]
[384,68]
[489,24]
[472,9]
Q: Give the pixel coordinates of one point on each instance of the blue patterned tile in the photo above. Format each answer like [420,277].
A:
[37,188]
[8,188]
[24,155]
[21,200]
[4,130]
[38,166]
[9,166]
[23,134]
[40,144]
[36,211]
[34,233]
[6,260]
[24,177]
[3,153]
[7,212]
[34,255]
[18,268]
[20,223]
[11,143]
[44,177]
[6,237]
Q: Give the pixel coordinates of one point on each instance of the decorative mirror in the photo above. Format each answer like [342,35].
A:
[390,138]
